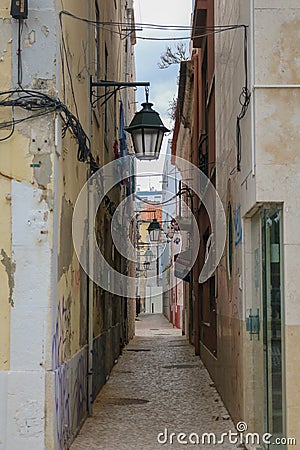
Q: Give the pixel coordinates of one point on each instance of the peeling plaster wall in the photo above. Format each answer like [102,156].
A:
[26,201]
[23,385]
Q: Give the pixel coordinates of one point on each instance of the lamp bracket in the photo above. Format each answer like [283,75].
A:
[112,84]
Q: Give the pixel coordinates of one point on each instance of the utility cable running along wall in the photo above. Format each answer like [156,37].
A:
[201,31]
[40,104]
[244,100]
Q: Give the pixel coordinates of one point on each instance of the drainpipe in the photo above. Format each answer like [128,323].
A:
[90,298]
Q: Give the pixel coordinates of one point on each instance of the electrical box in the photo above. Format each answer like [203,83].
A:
[19,9]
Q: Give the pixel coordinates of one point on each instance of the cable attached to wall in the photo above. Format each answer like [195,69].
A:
[40,104]
[244,100]
[19,53]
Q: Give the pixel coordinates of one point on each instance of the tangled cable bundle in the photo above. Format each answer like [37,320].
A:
[40,104]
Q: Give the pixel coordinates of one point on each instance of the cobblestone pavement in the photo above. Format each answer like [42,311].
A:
[158,384]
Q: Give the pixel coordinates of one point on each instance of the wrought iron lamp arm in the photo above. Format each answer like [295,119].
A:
[115,84]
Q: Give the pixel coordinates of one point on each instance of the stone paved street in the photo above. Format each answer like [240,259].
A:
[157,384]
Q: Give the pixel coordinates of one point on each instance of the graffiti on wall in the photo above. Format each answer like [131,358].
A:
[59,337]
[70,380]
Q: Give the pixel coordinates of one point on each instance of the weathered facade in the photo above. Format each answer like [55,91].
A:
[173,305]
[181,147]
[244,138]
[60,334]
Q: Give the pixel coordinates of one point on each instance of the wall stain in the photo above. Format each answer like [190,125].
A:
[10,268]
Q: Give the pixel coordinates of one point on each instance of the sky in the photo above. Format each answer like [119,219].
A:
[163,87]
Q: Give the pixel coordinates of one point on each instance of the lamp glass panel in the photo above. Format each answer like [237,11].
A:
[155,235]
[150,141]
[160,135]
[137,139]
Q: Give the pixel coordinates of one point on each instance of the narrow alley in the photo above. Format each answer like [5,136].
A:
[157,385]
[149,226]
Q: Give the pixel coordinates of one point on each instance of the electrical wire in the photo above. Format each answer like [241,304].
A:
[182,191]
[244,100]
[94,22]
[182,38]
[12,128]
[148,25]
[49,105]
[68,65]
[156,203]
[19,53]
[42,104]
[202,30]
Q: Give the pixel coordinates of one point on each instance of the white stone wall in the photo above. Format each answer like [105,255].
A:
[269,161]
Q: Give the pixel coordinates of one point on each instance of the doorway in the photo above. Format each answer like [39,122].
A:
[267,303]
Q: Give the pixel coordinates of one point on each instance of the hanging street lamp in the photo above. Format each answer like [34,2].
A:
[146,128]
[147,132]
[154,231]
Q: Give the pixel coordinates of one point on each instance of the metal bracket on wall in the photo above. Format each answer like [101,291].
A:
[114,84]
[253,324]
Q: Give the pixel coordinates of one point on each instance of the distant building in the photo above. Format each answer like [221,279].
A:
[173,298]
[148,207]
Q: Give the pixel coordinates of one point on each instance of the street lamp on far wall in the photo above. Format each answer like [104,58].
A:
[148,255]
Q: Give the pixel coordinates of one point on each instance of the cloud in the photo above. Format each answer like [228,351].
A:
[164,12]
[163,81]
